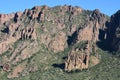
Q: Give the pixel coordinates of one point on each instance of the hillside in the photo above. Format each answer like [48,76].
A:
[59,43]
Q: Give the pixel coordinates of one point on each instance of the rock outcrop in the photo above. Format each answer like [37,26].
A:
[92,28]
[113,35]
[17,16]
[28,33]
[6,17]
[58,43]
[43,29]
[15,32]
[78,59]
[6,67]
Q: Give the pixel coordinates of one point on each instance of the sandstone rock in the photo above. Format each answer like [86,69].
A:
[73,10]
[94,60]
[17,16]
[92,28]
[3,47]
[60,26]
[58,43]
[55,26]
[45,7]
[41,16]
[85,34]
[78,59]
[99,17]
[28,33]
[33,13]
[73,28]
[17,70]
[5,17]
[37,8]
[15,33]
[45,39]
[26,52]
[19,48]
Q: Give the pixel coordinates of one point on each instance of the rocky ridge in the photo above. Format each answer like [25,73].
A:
[23,34]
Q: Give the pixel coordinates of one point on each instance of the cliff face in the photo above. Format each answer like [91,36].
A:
[23,26]
[80,59]
[96,22]
[113,37]
[23,34]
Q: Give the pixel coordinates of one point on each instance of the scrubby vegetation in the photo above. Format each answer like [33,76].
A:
[44,36]
[51,68]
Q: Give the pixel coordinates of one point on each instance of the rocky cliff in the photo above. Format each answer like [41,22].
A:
[78,58]
[52,30]
[113,32]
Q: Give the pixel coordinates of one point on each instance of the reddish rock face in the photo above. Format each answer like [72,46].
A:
[17,16]
[78,59]
[91,31]
[24,27]
[5,17]
[28,33]
[81,58]
[58,43]
[54,29]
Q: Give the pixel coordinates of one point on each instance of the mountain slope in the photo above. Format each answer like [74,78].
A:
[53,43]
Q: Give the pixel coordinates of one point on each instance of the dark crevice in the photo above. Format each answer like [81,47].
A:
[85,59]
[72,39]
[15,17]
[101,34]
[6,30]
